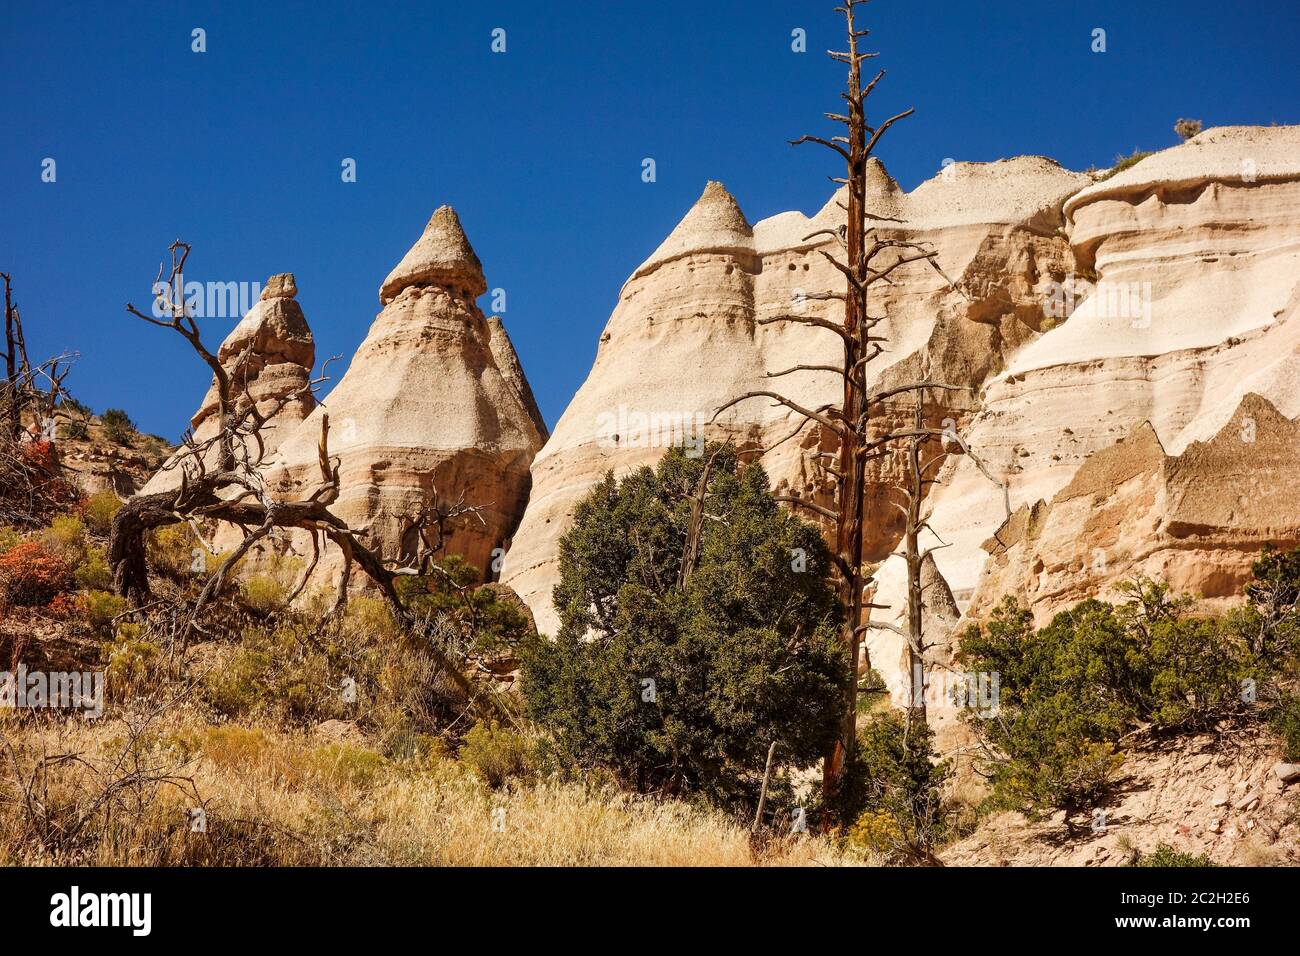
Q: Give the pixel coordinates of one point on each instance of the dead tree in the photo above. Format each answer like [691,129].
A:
[31,481]
[917,483]
[221,481]
[15,361]
[865,258]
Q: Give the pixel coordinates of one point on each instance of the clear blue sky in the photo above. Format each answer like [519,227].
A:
[238,149]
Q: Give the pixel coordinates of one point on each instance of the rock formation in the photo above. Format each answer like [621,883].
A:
[1189,269]
[1196,520]
[683,338]
[269,356]
[433,401]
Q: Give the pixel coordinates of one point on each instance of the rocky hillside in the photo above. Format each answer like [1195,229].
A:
[1161,299]
[1126,346]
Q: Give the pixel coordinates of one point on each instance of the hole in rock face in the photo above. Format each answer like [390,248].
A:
[793,267]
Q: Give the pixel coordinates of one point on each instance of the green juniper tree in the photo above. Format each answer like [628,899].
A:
[697,627]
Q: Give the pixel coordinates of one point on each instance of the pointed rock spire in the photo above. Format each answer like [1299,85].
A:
[268,356]
[883,196]
[714,224]
[441,256]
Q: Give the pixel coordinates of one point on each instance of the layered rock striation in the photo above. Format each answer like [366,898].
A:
[688,334]
[1185,300]
[433,404]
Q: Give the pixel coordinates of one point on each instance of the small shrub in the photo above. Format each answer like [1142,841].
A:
[231,745]
[31,575]
[897,785]
[496,754]
[243,684]
[67,535]
[1285,722]
[174,549]
[93,573]
[99,608]
[8,538]
[133,664]
[875,832]
[64,607]
[1125,162]
[99,509]
[263,593]
[118,427]
[40,455]
[371,618]
[453,596]
[348,765]
[1166,856]
[1187,128]
[74,430]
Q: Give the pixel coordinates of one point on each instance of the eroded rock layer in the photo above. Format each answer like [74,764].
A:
[688,334]
[1188,277]
[433,401]
[1196,520]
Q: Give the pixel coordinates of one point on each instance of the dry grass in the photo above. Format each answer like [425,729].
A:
[280,797]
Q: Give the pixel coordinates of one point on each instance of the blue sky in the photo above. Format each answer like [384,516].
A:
[238,150]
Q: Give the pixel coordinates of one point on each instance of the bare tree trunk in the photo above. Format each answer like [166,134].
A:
[13,407]
[912,555]
[851,419]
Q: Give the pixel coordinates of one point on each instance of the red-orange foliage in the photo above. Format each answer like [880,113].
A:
[31,576]
[40,454]
[63,607]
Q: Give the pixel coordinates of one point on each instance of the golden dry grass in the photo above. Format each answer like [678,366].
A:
[277,797]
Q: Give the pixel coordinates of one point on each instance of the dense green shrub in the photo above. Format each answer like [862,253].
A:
[1285,722]
[680,688]
[1071,690]
[451,594]
[1166,856]
[896,784]
[118,427]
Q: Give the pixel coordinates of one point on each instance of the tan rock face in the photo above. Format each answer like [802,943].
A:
[442,256]
[687,336]
[269,356]
[1189,299]
[1196,520]
[433,400]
